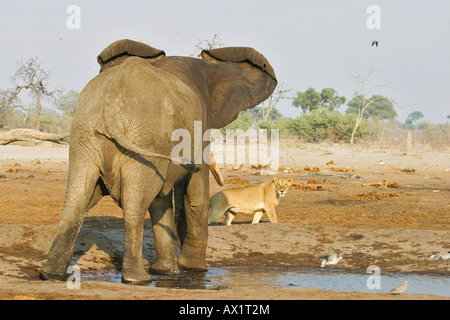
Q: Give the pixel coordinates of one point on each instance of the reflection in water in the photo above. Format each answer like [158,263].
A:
[185,280]
[188,280]
[232,277]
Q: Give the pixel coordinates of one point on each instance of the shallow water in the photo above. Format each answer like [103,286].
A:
[340,280]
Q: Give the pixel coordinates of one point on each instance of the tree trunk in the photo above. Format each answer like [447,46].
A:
[27,134]
[38,109]
[266,114]
[408,142]
[358,122]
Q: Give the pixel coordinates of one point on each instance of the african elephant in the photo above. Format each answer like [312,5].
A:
[121,145]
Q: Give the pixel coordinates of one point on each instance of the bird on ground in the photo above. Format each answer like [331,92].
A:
[375,43]
[333,256]
[400,289]
[443,255]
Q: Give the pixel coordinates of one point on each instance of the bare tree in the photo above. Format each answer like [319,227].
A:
[31,76]
[363,93]
[280,93]
[9,101]
[206,44]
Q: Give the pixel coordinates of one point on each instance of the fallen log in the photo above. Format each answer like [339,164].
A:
[28,134]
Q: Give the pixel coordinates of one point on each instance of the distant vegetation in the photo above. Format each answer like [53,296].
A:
[320,119]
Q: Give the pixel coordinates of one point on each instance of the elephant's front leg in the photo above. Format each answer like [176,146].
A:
[162,214]
[193,251]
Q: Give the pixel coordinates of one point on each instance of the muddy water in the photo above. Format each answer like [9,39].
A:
[235,277]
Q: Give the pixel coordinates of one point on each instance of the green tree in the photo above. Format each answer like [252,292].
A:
[412,119]
[258,114]
[378,107]
[415,116]
[312,100]
[360,104]
[244,121]
[330,99]
[307,100]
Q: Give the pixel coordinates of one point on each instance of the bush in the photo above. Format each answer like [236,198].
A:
[280,124]
[320,125]
[243,121]
[47,123]
[55,124]
[313,126]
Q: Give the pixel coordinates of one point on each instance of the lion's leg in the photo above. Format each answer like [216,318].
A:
[272,215]
[229,216]
[258,215]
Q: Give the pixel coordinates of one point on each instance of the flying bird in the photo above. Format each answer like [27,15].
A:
[443,255]
[333,256]
[375,42]
[400,289]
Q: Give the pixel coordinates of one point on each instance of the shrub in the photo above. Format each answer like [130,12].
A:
[313,126]
[325,125]
[280,124]
[243,121]
[55,124]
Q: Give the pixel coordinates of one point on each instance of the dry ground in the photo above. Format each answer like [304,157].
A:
[379,207]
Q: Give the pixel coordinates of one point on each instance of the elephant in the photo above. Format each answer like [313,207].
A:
[121,145]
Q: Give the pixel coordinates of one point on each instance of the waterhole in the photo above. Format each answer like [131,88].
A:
[340,280]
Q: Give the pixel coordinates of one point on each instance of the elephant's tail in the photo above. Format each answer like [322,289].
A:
[113,129]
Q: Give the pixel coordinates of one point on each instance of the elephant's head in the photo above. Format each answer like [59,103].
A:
[235,78]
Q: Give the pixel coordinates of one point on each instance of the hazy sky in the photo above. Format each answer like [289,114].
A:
[309,43]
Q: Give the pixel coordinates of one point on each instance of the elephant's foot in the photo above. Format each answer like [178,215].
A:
[192,262]
[135,273]
[164,267]
[44,275]
[54,269]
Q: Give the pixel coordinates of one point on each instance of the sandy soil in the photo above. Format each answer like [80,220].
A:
[339,200]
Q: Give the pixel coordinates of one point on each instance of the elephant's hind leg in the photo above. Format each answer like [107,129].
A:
[162,214]
[193,251]
[136,197]
[82,193]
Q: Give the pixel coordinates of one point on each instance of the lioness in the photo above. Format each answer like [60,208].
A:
[257,199]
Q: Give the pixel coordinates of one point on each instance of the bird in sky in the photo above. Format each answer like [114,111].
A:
[375,43]
[333,256]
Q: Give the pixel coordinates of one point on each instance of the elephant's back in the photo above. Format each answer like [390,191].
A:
[148,104]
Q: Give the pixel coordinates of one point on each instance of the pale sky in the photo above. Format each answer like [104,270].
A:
[309,43]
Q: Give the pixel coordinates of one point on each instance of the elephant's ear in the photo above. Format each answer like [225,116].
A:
[118,51]
[241,78]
